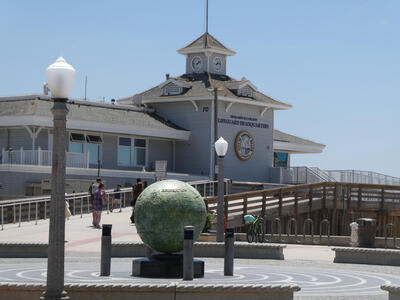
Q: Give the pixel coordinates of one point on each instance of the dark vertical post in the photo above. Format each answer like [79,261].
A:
[226,207]
[216,128]
[105,265]
[220,207]
[229,251]
[264,200]
[56,251]
[188,268]
[98,160]
[310,202]
[207,16]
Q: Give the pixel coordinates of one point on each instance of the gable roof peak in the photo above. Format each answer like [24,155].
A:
[206,42]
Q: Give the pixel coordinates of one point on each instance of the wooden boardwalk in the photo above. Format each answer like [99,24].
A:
[339,203]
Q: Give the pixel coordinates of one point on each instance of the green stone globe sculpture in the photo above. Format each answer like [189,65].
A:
[163,209]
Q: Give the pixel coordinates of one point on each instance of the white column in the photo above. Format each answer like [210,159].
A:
[21,156]
[39,153]
[3,153]
[174,156]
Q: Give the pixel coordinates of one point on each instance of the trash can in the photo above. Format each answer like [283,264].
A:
[366,232]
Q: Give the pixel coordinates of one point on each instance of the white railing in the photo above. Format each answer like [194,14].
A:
[42,158]
[36,208]
[357,176]
[306,175]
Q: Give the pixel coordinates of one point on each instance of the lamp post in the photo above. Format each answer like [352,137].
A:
[221,147]
[60,78]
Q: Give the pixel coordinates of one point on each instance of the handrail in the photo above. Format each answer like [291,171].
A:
[359,176]
[80,202]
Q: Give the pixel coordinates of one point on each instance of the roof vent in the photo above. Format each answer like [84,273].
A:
[167,76]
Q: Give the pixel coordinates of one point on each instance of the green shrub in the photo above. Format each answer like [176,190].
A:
[208,223]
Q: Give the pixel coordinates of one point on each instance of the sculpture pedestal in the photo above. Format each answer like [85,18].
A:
[164,266]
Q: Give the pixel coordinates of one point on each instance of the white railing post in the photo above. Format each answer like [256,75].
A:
[3,155]
[39,152]
[87,160]
[21,155]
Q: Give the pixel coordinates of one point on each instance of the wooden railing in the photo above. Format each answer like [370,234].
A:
[341,203]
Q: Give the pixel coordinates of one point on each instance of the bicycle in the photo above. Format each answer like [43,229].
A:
[255,228]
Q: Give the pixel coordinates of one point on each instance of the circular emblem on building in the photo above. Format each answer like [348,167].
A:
[244,145]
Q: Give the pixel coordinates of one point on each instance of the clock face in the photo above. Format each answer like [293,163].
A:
[244,145]
[196,63]
[217,63]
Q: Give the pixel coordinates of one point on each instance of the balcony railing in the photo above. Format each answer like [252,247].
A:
[41,157]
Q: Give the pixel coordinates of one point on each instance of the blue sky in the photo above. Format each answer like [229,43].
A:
[337,62]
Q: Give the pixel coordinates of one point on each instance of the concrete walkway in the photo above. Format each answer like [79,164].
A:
[80,234]
[311,267]
[83,238]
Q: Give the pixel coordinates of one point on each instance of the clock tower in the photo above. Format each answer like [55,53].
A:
[206,54]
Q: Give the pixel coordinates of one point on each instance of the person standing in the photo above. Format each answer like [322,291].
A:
[136,190]
[98,202]
[93,190]
[117,198]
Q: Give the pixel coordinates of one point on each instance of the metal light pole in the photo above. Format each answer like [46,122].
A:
[215,90]
[221,147]
[60,78]
[214,135]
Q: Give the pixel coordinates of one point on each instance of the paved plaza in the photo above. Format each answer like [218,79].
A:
[310,267]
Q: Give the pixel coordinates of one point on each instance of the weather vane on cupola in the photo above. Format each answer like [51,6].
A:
[206,16]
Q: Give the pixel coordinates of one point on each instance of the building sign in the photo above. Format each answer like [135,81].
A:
[243,121]
[161,169]
[244,145]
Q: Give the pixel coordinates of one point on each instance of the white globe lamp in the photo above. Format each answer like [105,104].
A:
[221,147]
[60,78]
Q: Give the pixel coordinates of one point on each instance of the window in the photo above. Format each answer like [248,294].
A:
[76,141]
[172,89]
[93,150]
[131,154]
[77,137]
[85,143]
[124,151]
[280,160]
[246,92]
[75,147]
[95,139]
[140,152]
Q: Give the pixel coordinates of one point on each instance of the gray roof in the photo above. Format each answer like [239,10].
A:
[280,136]
[39,106]
[206,41]
[200,85]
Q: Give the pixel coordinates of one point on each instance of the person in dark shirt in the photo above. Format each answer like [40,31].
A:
[136,190]
[99,200]
[117,198]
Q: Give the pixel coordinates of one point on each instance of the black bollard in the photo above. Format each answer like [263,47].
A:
[188,269]
[105,266]
[229,251]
